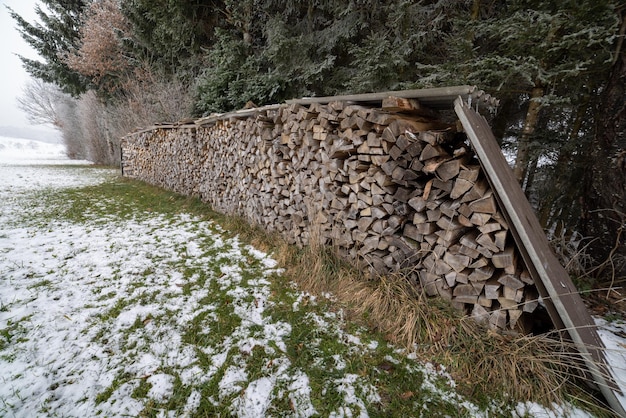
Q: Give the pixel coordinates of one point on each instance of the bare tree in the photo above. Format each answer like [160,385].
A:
[71,128]
[45,104]
[102,146]
[39,101]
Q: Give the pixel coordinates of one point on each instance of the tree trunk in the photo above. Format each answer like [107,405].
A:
[523,148]
[563,188]
[529,176]
[507,111]
[476,10]
[604,211]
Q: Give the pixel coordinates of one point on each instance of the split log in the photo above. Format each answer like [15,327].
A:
[461,186]
[410,106]
[448,170]
[481,274]
[458,262]
[504,259]
[511,281]
[498,319]
[492,289]
[433,151]
[485,204]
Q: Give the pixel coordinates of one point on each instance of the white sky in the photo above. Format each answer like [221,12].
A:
[13,77]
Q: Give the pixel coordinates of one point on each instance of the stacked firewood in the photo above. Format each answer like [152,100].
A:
[391,188]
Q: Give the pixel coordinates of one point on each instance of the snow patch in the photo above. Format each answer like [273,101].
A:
[162,387]
[613,336]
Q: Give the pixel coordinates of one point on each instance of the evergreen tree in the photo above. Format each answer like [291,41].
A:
[53,38]
[168,35]
[547,60]
[604,197]
[401,40]
[547,53]
[275,50]
[554,58]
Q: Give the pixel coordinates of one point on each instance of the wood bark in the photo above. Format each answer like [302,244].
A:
[523,147]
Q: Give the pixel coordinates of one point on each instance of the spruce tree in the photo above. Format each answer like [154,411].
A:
[168,35]
[604,195]
[53,38]
[275,50]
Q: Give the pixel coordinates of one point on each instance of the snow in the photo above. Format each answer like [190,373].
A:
[162,386]
[256,398]
[61,282]
[530,409]
[98,307]
[613,335]
[348,386]
[300,395]
[18,151]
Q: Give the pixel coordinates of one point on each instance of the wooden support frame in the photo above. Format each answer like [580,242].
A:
[438,98]
[559,294]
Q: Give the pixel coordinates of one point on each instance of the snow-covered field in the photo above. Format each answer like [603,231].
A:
[96,318]
[18,151]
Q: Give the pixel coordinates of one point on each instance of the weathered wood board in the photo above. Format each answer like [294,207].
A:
[561,297]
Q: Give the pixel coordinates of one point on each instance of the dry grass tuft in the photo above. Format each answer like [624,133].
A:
[540,368]
[398,309]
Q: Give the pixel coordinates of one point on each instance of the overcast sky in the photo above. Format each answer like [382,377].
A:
[13,77]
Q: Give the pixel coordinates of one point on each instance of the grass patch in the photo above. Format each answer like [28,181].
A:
[15,331]
[486,366]
[114,200]
[41,284]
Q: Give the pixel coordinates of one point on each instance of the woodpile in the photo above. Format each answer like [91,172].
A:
[391,188]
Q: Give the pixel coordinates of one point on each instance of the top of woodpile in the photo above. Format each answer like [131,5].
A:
[438,98]
[418,100]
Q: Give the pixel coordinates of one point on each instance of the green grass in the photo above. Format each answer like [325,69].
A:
[14,332]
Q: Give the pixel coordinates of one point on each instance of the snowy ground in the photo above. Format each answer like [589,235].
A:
[18,151]
[96,318]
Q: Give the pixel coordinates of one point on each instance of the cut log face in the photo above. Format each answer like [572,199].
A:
[448,170]
[458,262]
[504,259]
[492,289]
[485,204]
[461,186]
[390,188]
[498,319]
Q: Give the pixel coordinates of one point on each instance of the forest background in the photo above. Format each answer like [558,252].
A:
[558,66]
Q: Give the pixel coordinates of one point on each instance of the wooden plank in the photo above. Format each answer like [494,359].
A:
[436,97]
[561,297]
[403,105]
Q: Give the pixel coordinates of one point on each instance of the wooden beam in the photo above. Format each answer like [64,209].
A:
[436,98]
[561,297]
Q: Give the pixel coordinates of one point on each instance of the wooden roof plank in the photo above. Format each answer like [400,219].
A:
[436,97]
